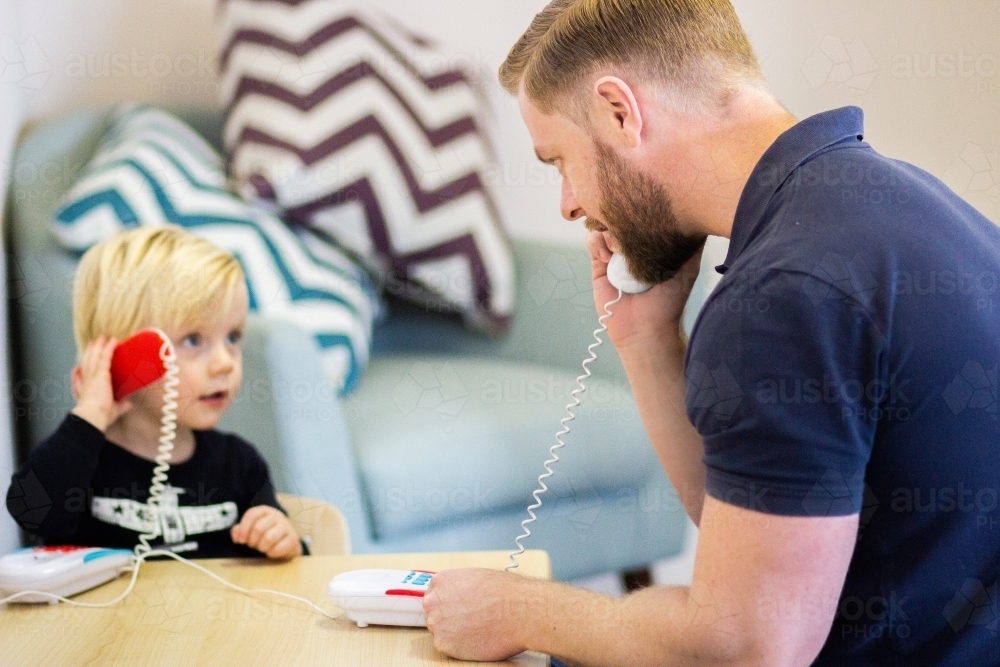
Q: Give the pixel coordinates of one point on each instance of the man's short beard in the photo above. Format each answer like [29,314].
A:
[639,214]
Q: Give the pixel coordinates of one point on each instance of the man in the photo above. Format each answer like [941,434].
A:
[843,463]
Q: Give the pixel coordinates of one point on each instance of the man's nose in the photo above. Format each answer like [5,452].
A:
[568,206]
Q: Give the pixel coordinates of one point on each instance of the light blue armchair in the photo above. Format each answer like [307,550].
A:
[440,445]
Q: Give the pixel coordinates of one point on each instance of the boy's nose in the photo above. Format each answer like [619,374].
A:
[222,360]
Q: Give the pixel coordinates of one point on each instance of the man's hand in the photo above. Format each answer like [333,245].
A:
[640,319]
[269,531]
[477,614]
[90,381]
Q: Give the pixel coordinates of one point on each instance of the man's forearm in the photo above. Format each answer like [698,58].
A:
[656,373]
[656,626]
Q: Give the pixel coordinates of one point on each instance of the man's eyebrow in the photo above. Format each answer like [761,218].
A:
[550,160]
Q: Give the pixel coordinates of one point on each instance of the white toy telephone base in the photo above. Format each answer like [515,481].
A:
[381,597]
[60,571]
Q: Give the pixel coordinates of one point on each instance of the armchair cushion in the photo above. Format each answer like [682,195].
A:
[442,438]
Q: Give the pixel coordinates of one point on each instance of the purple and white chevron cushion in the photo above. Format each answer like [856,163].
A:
[350,125]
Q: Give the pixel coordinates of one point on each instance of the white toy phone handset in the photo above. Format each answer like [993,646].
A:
[620,277]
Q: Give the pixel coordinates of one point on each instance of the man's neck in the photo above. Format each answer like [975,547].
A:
[718,156]
[140,435]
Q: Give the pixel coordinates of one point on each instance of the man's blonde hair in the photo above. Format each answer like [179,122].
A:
[696,48]
[152,276]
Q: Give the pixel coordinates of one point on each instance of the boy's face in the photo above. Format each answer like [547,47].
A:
[210,361]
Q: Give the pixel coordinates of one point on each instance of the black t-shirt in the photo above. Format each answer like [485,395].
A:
[77,488]
[847,364]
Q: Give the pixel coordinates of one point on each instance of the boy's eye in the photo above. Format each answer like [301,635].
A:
[191,340]
[234,337]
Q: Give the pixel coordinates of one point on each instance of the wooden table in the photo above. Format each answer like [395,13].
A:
[179,617]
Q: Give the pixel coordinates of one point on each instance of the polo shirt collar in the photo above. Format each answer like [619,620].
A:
[793,147]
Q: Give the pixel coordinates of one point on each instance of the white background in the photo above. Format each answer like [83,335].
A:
[926,72]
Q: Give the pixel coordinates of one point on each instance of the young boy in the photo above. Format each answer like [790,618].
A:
[97,467]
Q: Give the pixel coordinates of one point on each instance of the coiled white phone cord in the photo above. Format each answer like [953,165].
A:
[564,422]
[168,433]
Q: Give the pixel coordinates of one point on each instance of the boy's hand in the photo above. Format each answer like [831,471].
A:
[90,381]
[269,531]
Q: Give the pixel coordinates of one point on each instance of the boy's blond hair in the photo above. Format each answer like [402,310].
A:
[151,276]
[695,48]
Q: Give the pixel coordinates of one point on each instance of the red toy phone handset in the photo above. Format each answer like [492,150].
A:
[137,362]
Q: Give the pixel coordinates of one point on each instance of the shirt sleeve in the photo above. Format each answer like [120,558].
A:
[786,382]
[62,464]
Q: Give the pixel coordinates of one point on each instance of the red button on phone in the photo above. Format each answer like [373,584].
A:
[403,591]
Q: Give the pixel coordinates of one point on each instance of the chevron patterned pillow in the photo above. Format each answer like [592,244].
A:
[357,129]
[152,169]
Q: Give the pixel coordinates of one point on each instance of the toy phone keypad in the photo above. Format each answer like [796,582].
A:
[420,580]
[381,597]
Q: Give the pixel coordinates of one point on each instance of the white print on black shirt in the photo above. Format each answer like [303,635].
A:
[170,520]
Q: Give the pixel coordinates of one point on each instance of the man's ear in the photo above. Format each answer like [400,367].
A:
[618,119]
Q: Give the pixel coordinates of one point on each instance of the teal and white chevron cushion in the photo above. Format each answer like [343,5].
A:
[152,169]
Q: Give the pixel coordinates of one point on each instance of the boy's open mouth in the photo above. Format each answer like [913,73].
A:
[215,396]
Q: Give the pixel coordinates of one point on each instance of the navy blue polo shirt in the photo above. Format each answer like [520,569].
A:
[847,363]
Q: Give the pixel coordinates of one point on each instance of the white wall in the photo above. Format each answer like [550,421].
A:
[816,55]
[931,121]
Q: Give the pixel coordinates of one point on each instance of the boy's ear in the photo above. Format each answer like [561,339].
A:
[76,381]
